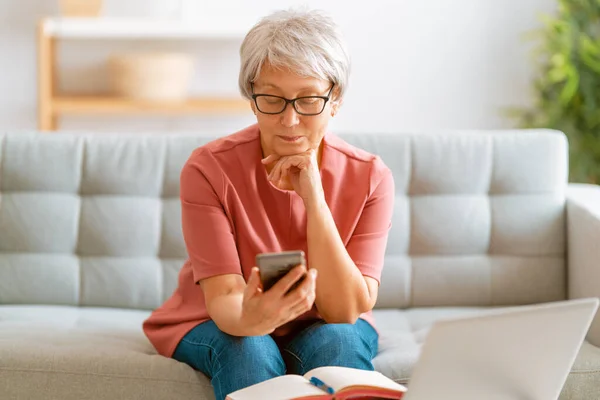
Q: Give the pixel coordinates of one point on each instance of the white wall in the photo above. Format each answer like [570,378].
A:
[417,65]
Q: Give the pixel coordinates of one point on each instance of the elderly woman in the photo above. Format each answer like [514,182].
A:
[282,184]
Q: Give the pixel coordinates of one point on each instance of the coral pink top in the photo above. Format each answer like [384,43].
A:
[231,212]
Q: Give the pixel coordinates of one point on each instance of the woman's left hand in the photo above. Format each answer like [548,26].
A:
[302,171]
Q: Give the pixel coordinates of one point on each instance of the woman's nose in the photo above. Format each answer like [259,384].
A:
[289,116]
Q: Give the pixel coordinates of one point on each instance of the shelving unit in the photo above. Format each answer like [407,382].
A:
[51,104]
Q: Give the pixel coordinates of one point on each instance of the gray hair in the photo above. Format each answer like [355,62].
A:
[308,43]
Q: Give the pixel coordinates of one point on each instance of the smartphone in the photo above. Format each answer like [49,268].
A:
[273,266]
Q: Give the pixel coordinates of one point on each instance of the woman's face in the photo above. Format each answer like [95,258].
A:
[289,132]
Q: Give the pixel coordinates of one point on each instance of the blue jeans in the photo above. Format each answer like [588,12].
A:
[233,362]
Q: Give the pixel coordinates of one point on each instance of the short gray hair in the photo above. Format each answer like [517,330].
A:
[308,43]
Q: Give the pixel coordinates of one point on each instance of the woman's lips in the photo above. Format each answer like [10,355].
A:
[290,139]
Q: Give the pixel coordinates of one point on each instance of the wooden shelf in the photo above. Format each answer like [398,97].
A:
[116,105]
[52,104]
[101,28]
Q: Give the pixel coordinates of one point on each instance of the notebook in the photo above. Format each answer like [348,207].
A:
[324,383]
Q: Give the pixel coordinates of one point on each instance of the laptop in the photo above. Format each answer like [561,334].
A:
[517,353]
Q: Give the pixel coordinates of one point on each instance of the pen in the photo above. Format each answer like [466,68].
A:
[321,385]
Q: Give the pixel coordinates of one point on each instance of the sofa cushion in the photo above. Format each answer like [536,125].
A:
[99,353]
[485,205]
[493,199]
[82,353]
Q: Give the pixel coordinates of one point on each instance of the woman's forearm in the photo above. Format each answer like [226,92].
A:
[341,291]
[226,312]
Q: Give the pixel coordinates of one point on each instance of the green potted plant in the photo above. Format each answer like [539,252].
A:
[567,86]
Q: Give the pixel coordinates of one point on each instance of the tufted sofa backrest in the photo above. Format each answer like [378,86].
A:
[95,220]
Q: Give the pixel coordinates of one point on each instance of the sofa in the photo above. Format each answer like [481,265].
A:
[91,242]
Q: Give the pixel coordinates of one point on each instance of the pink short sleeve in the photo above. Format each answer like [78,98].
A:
[368,242]
[207,231]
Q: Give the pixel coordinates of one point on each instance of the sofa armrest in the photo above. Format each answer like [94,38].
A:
[583,233]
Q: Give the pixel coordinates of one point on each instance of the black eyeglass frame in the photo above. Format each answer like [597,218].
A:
[291,101]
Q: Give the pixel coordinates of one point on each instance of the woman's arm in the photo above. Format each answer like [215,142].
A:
[348,275]
[242,309]
[223,296]
[343,293]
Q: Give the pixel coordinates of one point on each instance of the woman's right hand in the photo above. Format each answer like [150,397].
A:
[263,312]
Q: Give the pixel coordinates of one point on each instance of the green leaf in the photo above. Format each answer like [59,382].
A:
[558,60]
[570,87]
[588,45]
[566,88]
[557,75]
[589,53]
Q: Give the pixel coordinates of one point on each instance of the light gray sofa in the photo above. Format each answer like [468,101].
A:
[90,242]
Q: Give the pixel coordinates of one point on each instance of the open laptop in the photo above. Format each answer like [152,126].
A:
[520,353]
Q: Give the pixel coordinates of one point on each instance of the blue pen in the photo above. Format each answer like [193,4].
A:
[321,385]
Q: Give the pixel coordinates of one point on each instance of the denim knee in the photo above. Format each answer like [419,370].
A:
[231,362]
[255,352]
[347,345]
[344,339]
[245,361]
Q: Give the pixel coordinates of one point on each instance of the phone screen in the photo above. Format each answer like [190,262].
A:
[274,266]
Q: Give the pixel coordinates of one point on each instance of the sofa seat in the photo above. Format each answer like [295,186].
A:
[101,353]
[64,352]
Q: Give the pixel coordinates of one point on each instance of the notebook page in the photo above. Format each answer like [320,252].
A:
[341,377]
[284,387]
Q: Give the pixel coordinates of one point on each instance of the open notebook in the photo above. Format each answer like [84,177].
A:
[345,383]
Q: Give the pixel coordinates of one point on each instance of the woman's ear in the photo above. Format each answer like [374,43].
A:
[253,106]
[335,106]
[336,101]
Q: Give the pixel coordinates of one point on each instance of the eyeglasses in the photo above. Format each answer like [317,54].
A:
[305,105]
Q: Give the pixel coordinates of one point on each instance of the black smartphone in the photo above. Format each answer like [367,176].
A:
[273,266]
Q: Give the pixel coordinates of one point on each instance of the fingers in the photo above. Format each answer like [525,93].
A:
[275,174]
[270,159]
[284,284]
[299,309]
[287,307]
[285,166]
[281,169]
[278,172]
[253,284]
[303,296]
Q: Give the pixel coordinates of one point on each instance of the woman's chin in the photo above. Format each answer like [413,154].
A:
[290,149]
